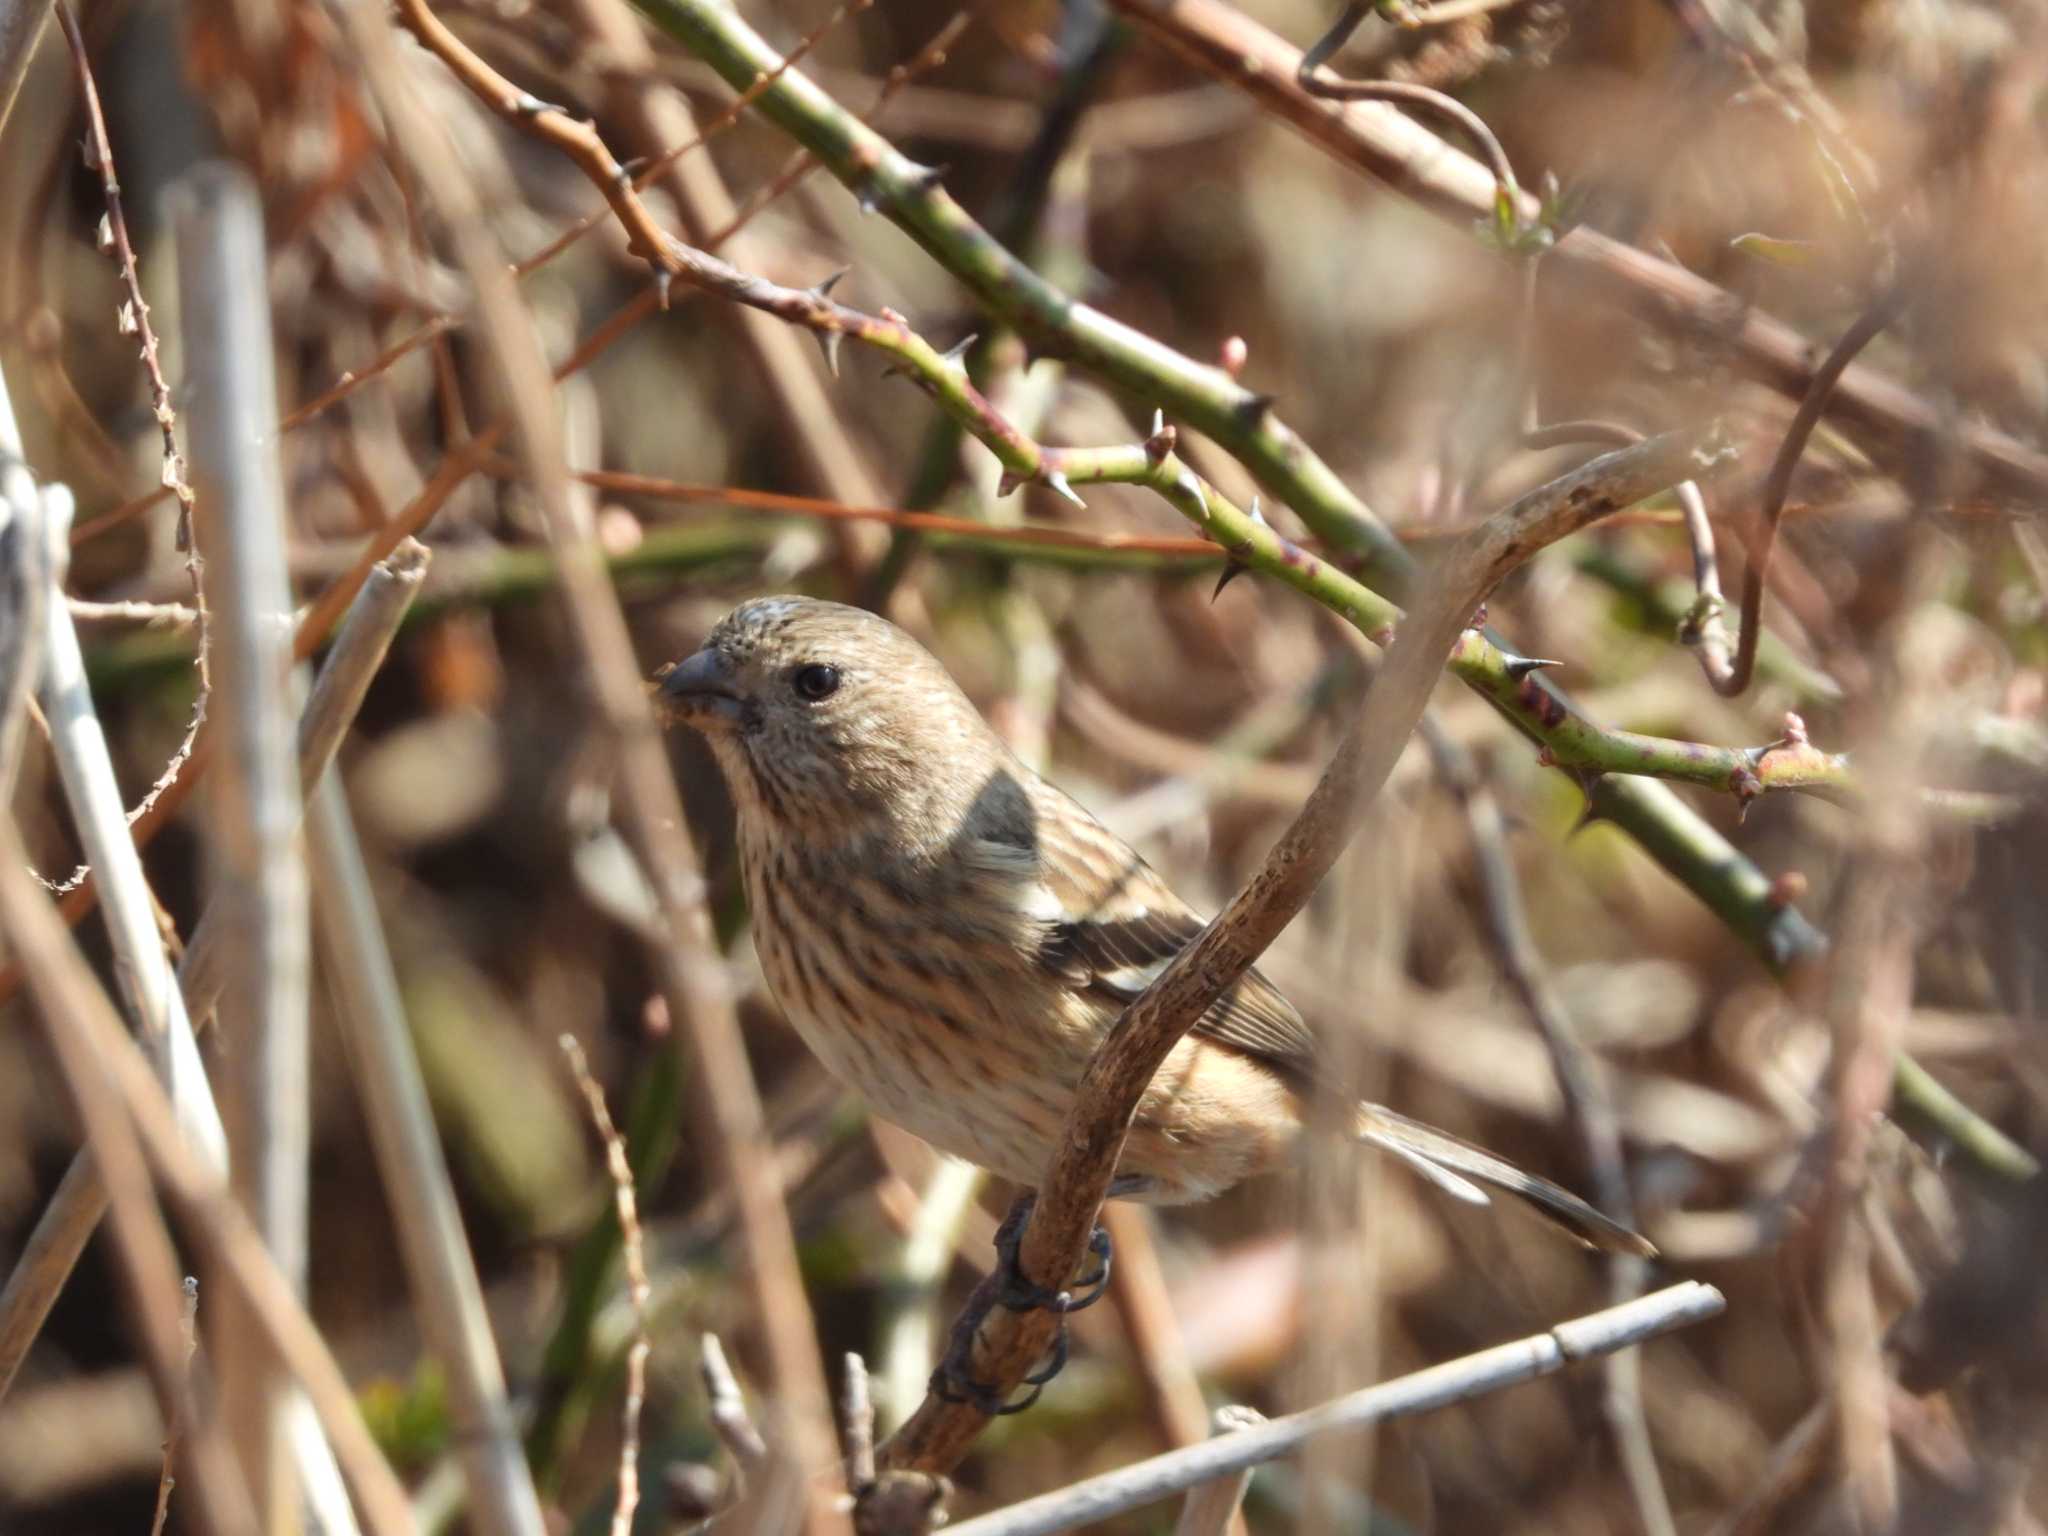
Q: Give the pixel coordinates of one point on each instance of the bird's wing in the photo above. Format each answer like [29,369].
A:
[1111,926]
[1114,924]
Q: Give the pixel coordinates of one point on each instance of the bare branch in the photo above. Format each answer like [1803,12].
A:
[1457,1381]
[621,1170]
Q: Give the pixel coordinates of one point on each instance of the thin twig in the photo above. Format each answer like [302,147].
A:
[165,1482]
[727,1407]
[151,615]
[633,1249]
[1195,552]
[414,1169]
[1589,1105]
[21,28]
[25,585]
[803,162]
[87,771]
[1212,1508]
[135,318]
[1144,1306]
[1440,1386]
[857,1424]
[1826,378]
[1331,88]
[912,1289]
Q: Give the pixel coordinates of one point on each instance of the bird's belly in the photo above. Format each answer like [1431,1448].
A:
[979,1076]
[934,1052]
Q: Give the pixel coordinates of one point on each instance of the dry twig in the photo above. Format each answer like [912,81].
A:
[636,1283]
[74,1211]
[1600,1333]
[1589,1104]
[123,1105]
[165,1482]
[1212,1508]
[1827,380]
[415,1172]
[135,319]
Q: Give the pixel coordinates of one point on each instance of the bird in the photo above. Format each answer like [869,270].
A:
[952,935]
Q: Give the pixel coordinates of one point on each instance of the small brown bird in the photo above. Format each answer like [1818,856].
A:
[953,936]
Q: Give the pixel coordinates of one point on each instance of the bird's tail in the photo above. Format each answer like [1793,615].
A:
[1458,1169]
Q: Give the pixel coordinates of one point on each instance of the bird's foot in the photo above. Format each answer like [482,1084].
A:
[1010,1288]
[954,1379]
[1021,1294]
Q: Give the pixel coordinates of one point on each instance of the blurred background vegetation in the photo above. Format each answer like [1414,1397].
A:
[1802,157]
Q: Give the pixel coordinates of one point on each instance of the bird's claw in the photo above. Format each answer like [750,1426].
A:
[1021,1294]
[954,1382]
[951,1383]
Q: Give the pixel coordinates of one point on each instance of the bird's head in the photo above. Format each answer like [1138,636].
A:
[829,717]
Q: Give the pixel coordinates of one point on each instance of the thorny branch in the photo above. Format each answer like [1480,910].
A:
[551,124]
[378,367]
[134,319]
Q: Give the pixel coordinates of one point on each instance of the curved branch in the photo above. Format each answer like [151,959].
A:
[1826,378]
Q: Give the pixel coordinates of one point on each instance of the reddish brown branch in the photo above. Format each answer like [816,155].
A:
[551,125]
[1826,379]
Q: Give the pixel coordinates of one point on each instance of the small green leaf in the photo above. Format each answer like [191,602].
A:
[1781,253]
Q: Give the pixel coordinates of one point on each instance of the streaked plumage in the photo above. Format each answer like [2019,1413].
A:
[952,935]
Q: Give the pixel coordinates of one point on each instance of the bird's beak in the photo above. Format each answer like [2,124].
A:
[701,692]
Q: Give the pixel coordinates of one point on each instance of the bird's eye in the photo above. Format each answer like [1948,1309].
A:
[816,681]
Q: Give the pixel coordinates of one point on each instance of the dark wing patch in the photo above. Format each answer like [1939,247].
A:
[1117,958]
[1118,925]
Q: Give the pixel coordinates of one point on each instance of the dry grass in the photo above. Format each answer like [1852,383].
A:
[1736,198]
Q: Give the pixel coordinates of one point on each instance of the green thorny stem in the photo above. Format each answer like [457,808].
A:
[910,195]
[1609,766]
[1568,739]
